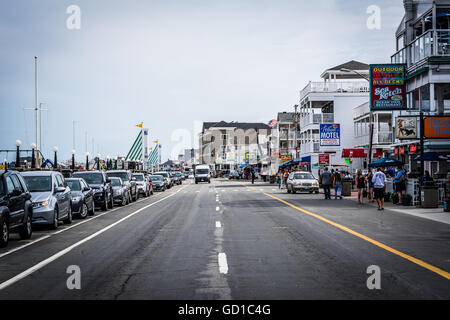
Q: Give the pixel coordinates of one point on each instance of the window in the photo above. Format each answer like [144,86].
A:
[224,136]
[17,183]
[60,180]
[9,185]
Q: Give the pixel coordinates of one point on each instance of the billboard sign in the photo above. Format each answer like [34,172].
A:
[406,128]
[324,159]
[436,127]
[387,87]
[330,135]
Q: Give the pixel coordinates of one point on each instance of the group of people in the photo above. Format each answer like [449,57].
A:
[333,179]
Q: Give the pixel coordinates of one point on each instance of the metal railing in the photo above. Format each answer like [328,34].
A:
[317,118]
[336,87]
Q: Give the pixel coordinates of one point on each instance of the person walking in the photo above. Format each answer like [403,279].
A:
[400,183]
[337,183]
[327,179]
[379,183]
[361,185]
[427,180]
[285,177]
[253,175]
[371,186]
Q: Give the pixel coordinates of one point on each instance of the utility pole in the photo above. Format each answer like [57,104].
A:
[296,121]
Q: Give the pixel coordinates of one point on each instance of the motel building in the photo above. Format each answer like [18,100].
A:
[331,101]
[423,44]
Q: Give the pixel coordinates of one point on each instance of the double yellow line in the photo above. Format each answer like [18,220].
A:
[419,262]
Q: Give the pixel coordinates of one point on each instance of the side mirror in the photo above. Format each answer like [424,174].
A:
[108,180]
[86,189]
[16,193]
[60,190]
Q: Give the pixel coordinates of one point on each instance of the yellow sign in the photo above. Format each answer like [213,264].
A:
[156,141]
[2,167]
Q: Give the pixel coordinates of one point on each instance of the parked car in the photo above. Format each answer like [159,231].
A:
[83,203]
[99,182]
[302,181]
[51,197]
[120,191]
[202,173]
[128,179]
[176,177]
[16,208]
[159,184]
[169,182]
[143,185]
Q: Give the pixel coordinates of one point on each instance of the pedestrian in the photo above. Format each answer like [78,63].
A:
[400,183]
[327,179]
[391,172]
[337,183]
[285,177]
[371,186]
[280,179]
[253,175]
[361,185]
[427,180]
[379,183]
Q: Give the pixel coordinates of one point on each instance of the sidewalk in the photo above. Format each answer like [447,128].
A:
[436,214]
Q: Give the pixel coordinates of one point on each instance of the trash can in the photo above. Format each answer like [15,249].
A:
[430,196]
[346,187]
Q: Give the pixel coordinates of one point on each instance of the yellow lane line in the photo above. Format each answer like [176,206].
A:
[419,262]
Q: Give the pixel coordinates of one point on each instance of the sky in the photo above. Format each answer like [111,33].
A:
[171,64]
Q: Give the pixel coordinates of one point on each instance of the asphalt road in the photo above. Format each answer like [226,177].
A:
[229,240]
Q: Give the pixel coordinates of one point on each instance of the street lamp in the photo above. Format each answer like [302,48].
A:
[115,163]
[123,163]
[73,159]
[55,150]
[98,161]
[18,144]
[370,114]
[33,159]
[87,161]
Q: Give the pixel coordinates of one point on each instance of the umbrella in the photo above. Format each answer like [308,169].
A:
[340,164]
[385,162]
[431,156]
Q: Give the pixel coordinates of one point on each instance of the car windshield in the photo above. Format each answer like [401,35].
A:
[115,182]
[74,185]
[304,176]
[201,171]
[39,183]
[139,177]
[164,174]
[121,175]
[156,178]
[90,178]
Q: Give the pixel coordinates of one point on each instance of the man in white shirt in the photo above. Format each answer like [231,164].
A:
[379,183]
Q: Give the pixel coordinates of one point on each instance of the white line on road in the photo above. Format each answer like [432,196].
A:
[223,265]
[217,208]
[59,254]
[218,224]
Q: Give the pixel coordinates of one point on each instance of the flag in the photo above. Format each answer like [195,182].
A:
[272,123]
[156,141]
[139,125]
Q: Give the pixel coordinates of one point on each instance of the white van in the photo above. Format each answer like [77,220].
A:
[202,173]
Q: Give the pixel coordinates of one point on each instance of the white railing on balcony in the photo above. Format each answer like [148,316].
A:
[336,87]
[378,138]
[424,47]
[316,118]
[309,147]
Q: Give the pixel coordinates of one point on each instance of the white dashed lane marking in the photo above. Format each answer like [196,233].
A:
[218,224]
[223,265]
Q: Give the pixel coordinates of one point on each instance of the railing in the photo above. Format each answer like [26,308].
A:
[336,87]
[310,147]
[317,118]
[424,47]
[378,138]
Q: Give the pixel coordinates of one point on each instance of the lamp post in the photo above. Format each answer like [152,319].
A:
[370,114]
[108,159]
[87,161]
[115,163]
[55,150]
[98,161]
[123,163]
[18,144]
[33,159]
[5,162]
[73,159]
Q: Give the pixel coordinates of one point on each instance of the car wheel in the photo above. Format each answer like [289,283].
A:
[27,229]
[54,225]
[68,220]
[294,191]
[124,201]
[92,212]
[288,190]
[84,211]
[4,233]
[105,204]
[151,192]
[111,202]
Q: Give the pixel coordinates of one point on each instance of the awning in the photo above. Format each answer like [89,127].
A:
[385,162]
[431,156]
[287,163]
[243,165]
[306,159]
[357,153]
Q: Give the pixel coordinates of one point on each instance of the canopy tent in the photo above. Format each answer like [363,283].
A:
[385,162]
[340,164]
[431,156]
[243,165]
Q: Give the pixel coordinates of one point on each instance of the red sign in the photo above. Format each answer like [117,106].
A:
[324,159]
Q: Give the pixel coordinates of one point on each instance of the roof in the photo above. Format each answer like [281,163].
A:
[286,116]
[37,173]
[238,125]
[352,65]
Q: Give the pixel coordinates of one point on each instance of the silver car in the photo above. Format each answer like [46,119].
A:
[143,185]
[302,181]
[120,191]
[51,197]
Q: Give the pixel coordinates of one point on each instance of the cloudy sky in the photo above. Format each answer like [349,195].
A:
[171,64]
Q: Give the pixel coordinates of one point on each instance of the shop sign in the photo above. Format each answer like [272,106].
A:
[406,128]
[324,159]
[387,87]
[437,127]
[330,135]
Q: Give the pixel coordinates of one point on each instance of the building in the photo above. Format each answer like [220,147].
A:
[423,44]
[230,145]
[332,101]
[191,157]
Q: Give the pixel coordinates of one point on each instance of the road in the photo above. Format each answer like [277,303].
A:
[232,240]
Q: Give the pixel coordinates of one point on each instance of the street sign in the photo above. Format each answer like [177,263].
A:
[436,127]
[406,127]
[387,87]
[330,135]
[324,159]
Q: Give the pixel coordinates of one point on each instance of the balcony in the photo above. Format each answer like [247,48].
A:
[379,138]
[424,47]
[309,147]
[288,136]
[335,87]
[317,118]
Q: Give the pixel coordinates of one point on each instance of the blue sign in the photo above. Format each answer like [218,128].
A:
[330,135]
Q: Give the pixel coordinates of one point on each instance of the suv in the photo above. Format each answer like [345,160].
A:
[51,197]
[129,181]
[16,209]
[99,182]
[143,184]
[166,176]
